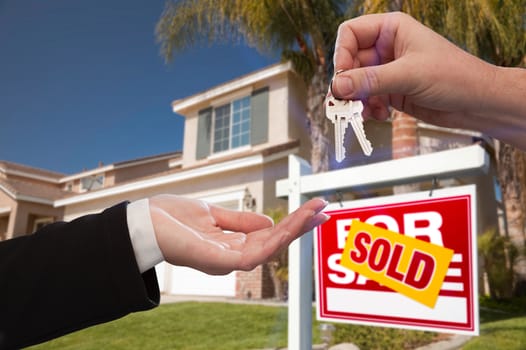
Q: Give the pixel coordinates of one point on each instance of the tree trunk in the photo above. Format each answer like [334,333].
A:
[319,124]
[512,178]
[276,281]
[404,143]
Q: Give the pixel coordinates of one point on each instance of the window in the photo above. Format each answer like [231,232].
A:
[239,123]
[41,222]
[92,182]
[232,125]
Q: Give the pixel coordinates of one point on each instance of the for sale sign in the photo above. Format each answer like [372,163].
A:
[407,265]
[406,261]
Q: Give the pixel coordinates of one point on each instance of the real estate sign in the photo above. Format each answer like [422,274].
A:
[406,261]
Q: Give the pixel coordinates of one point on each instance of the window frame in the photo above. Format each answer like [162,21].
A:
[42,221]
[247,120]
[94,178]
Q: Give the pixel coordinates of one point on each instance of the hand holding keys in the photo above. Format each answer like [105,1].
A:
[341,113]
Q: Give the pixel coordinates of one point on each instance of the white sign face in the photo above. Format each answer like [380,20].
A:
[447,218]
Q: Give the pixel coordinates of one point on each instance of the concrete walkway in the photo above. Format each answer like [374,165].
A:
[455,342]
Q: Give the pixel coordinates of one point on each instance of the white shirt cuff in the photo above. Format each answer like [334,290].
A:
[142,235]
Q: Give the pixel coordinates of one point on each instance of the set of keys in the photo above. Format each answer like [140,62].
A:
[342,113]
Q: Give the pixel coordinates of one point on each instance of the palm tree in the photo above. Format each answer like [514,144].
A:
[303,31]
[495,31]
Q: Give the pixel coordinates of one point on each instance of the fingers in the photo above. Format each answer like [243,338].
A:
[302,220]
[364,82]
[239,221]
[362,34]
[215,252]
[366,48]
[264,244]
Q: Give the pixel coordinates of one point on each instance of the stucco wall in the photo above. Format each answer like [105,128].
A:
[204,186]
[7,218]
[26,212]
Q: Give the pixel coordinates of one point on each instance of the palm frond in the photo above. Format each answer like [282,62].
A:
[185,24]
[494,30]
[301,64]
[308,27]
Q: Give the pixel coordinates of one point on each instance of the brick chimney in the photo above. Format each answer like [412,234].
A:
[404,143]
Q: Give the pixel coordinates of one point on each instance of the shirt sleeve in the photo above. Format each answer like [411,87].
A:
[142,235]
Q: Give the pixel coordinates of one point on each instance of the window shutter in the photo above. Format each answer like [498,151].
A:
[204,130]
[259,116]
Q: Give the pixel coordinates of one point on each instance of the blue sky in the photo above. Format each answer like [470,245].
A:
[82,82]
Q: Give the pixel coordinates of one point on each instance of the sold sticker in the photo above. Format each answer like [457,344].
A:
[407,265]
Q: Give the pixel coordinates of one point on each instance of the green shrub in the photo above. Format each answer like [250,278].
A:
[498,256]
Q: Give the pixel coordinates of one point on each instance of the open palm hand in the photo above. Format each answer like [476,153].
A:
[217,241]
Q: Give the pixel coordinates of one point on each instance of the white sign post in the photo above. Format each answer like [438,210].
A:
[300,267]
[466,161]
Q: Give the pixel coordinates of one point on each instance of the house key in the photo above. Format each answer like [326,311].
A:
[341,113]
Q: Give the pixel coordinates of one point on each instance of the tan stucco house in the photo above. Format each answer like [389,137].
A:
[237,139]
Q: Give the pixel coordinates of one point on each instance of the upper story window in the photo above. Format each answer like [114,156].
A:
[92,182]
[242,122]
[232,125]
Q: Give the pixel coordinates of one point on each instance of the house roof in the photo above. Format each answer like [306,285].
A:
[31,191]
[177,154]
[211,166]
[182,106]
[122,164]
[25,170]
[48,190]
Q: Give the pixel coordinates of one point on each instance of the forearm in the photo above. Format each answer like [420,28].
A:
[507,106]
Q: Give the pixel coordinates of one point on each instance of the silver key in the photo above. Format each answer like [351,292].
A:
[341,113]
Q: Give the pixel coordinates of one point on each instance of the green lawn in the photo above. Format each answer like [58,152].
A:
[503,326]
[505,334]
[196,325]
[189,326]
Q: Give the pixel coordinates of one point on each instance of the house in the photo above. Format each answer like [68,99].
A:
[237,139]
[236,142]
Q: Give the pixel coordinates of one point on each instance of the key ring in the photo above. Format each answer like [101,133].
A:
[330,84]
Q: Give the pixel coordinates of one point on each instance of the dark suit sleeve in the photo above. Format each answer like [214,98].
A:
[69,276]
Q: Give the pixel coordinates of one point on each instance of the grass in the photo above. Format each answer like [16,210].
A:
[189,326]
[196,325]
[503,326]
[505,334]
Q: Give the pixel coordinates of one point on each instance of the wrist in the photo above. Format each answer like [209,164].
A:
[142,235]
[503,112]
[509,91]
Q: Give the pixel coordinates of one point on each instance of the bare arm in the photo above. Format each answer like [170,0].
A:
[393,60]
[217,241]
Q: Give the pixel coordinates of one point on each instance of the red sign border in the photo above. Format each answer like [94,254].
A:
[472,323]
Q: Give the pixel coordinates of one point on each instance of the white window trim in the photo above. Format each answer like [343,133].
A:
[43,220]
[229,152]
[83,190]
[5,210]
[218,102]
[213,126]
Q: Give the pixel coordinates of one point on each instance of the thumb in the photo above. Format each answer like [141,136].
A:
[361,83]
